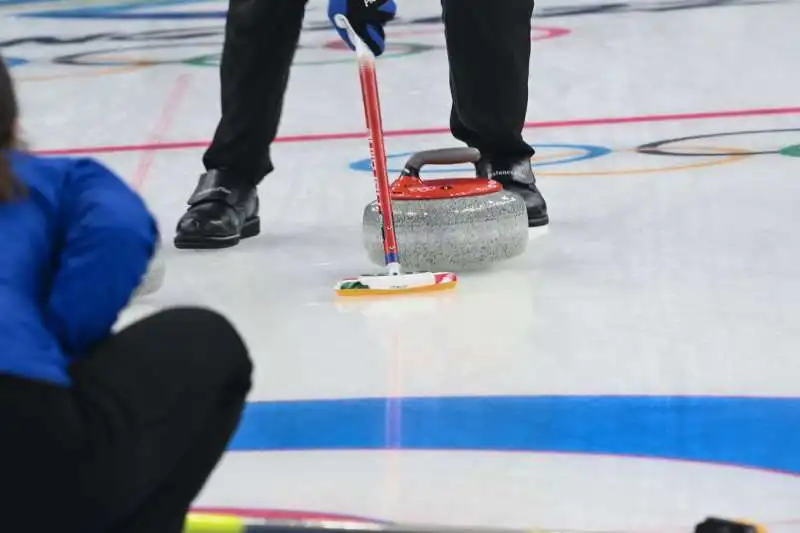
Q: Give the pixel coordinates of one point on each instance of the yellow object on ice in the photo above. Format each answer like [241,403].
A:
[207,523]
[756,526]
[395,284]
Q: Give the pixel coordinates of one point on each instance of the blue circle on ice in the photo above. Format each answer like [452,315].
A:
[15,61]
[753,432]
[589,152]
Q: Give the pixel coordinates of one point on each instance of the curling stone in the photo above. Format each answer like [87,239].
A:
[449,224]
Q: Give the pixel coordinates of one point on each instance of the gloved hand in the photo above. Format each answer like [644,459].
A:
[367,17]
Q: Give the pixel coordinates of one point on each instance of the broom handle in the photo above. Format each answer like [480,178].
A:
[372,112]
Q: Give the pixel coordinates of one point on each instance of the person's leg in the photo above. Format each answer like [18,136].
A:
[42,439]
[160,401]
[166,508]
[261,37]
[489,47]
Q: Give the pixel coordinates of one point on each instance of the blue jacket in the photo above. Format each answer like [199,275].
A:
[72,252]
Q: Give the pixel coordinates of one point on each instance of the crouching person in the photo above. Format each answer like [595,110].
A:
[101,432]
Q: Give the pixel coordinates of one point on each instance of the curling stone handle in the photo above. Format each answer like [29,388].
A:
[442,156]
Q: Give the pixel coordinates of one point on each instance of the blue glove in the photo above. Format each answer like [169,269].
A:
[367,17]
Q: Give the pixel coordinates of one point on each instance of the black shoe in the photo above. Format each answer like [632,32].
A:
[222,211]
[517,176]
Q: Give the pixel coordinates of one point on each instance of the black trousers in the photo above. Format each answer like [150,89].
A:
[488,45]
[129,446]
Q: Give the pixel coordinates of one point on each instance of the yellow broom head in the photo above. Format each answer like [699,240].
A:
[395,284]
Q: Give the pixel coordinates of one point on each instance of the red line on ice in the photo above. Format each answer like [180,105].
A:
[318,137]
[161,130]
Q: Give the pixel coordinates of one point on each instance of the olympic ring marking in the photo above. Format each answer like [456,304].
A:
[26,3]
[540,159]
[732,155]
[537,160]
[208,60]
[12,62]
[544,33]
[791,151]
[92,74]
[654,148]
[586,152]
[113,59]
[549,33]
[410,49]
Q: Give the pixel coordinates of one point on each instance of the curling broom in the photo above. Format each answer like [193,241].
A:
[395,281]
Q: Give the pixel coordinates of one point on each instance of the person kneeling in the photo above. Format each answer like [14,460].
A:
[102,432]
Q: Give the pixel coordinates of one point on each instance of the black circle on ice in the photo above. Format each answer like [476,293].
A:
[654,148]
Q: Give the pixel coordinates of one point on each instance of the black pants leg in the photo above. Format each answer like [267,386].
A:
[260,41]
[168,394]
[489,47]
[43,434]
[150,414]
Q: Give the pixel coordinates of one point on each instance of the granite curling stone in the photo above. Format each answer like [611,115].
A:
[449,224]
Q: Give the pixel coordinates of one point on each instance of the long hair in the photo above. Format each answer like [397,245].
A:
[9,113]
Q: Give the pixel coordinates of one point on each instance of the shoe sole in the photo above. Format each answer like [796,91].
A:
[537,222]
[251,228]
